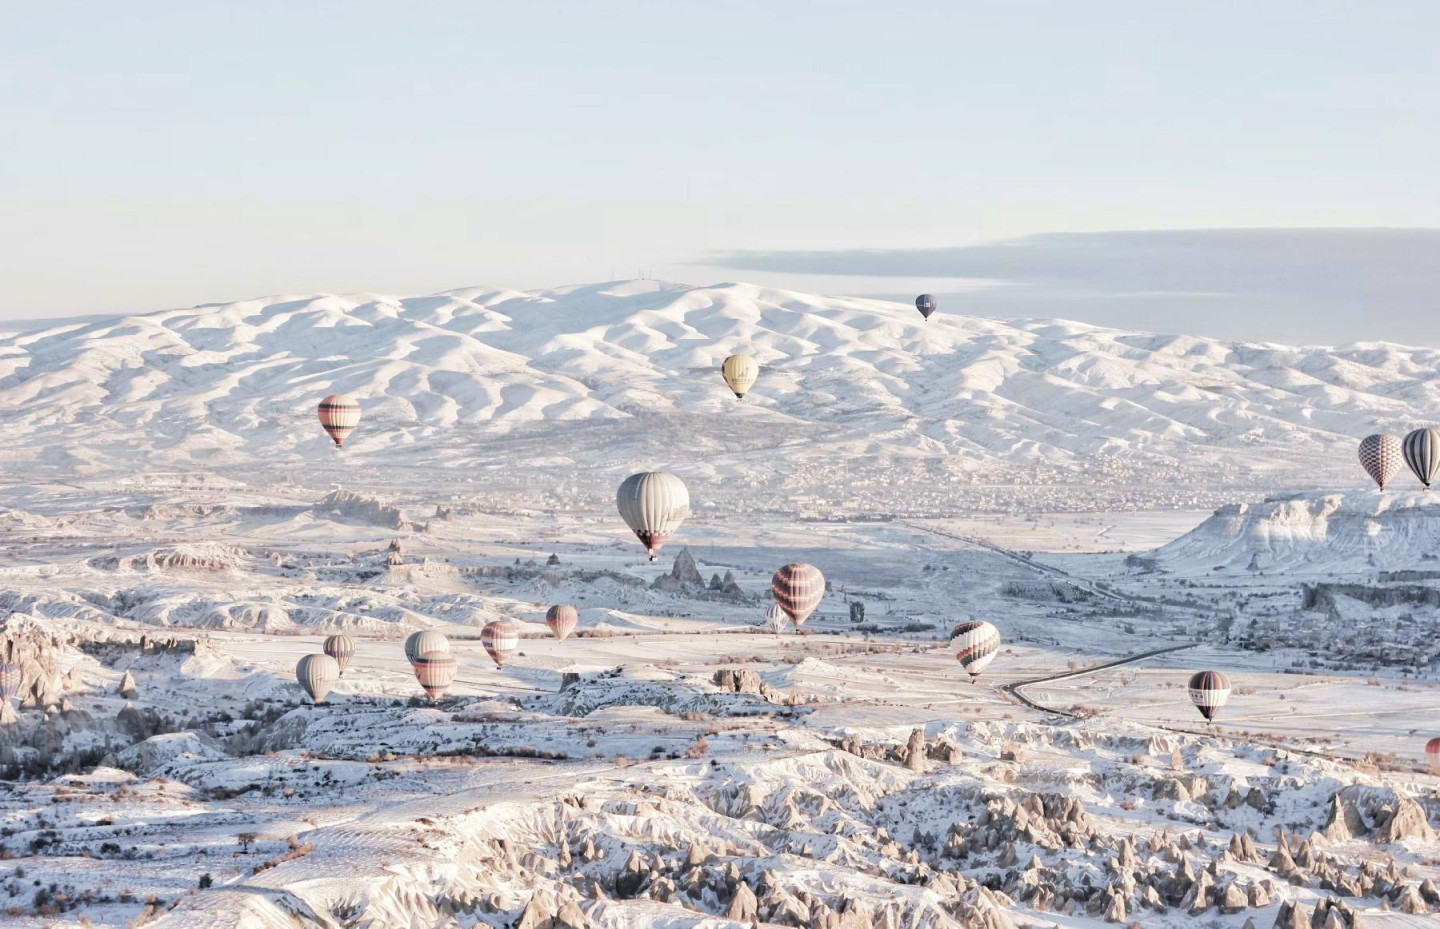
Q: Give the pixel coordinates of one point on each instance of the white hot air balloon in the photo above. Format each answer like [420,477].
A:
[427,640]
[776,618]
[976,643]
[316,674]
[740,372]
[653,504]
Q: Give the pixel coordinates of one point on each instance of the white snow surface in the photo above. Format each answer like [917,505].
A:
[476,379]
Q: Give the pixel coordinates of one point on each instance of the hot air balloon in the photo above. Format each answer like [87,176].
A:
[1432,753]
[653,504]
[436,672]
[1380,456]
[341,648]
[775,618]
[10,680]
[925,303]
[500,637]
[317,674]
[427,640]
[798,590]
[339,415]
[1422,454]
[976,642]
[562,620]
[740,372]
[1209,691]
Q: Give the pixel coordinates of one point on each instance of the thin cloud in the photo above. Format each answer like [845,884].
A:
[1299,285]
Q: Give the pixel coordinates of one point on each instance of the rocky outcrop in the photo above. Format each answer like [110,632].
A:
[349,507]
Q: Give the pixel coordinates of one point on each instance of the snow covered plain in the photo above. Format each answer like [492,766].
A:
[171,525]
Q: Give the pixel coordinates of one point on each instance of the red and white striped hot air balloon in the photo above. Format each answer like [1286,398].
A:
[1209,691]
[798,589]
[1432,753]
[339,414]
[976,644]
[562,618]
[500,638]
[436,672]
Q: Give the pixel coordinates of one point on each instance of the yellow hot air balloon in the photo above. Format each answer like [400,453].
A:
[740,372]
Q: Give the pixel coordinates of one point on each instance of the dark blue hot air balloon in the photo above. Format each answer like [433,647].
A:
[925,303]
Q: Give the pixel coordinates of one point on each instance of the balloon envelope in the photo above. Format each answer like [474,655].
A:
[339,415]
[436,672]
[1381,456]
[316,674]
[776,618]
[341,648]
[1209,691]
[798,589]
[653,504]
[1422,454]
[1432,753]
[740,372]
[925,303]
[10,680]
[562,620]
[500,638]
[427,640]
[976,644]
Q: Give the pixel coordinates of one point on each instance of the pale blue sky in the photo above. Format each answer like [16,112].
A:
[157,154]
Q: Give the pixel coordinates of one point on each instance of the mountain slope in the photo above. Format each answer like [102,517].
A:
[572,386]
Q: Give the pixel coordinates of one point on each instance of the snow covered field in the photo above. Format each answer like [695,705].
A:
[173,529]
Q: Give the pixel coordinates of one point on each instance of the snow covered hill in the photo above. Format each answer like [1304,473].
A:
[860,403]
[1328,534]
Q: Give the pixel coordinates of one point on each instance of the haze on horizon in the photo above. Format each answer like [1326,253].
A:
[166,154]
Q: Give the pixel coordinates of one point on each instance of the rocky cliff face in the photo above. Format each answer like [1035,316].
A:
[1314,533]
[351,507]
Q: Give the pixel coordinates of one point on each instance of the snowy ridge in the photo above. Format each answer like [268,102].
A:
[1315,532]
[476,378]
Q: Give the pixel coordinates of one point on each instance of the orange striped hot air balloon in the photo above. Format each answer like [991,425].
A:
[562,620]
[976,642]
[798,589]
[339,414]
[500,637]
[436,672]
